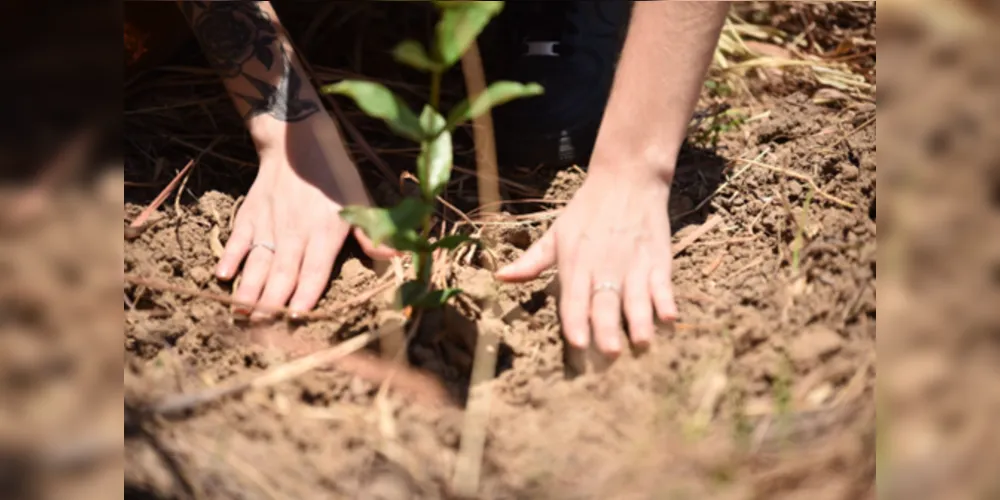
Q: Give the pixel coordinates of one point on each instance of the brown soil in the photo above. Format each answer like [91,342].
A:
[763,389]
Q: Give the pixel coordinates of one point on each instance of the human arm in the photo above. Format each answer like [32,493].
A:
[305,175]
[611,245]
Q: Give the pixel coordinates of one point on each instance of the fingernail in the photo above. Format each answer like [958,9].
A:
[260,316]
[613,354]
[614,348]
[668,318]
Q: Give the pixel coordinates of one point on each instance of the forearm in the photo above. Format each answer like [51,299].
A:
[244,42]
[659,77]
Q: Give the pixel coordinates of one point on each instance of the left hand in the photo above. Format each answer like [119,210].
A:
[612,248]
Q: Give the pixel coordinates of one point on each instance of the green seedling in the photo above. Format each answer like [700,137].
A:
[407,226]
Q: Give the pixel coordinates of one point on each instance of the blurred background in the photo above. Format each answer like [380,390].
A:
[939,249]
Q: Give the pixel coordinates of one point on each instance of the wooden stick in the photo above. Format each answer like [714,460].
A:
[702,230]
[487,175]
[801,177]
[468,465]
[139,221]
[183,402]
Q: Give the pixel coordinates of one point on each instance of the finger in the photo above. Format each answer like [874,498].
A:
[662,291]
[236,249]
[317,264]
[638,304]
[574,300]
[254,275]
[605,316]
[541,256]
[380,252]
[281,278]
[660,276]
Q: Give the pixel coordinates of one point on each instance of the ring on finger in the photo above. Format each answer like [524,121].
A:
[266,246]
[606,286]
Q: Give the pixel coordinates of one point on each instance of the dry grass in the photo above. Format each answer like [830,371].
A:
[764,51]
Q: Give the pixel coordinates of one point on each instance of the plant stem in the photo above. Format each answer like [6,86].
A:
[435,89]
[426,260]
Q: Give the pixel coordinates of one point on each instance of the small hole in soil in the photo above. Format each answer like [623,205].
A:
[535,302]
[312,398]
[505,358]
[871,211]
[145,302]
[853,158]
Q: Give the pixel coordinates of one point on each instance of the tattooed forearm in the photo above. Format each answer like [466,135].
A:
[241,41]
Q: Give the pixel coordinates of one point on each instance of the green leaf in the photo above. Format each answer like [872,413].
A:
[409,241]
[460,24]
[413,54]
[453,241]
[379,102]
[434,162]
[409,293]
[496,94]
[396,226]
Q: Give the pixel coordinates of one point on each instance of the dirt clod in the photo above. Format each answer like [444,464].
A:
[814,344]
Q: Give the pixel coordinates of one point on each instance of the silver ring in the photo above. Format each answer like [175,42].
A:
[605,286]
[266,246]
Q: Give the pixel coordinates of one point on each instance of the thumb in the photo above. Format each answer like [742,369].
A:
[541,256]
[380,252]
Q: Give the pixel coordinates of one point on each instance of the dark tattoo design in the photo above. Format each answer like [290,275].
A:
[233,33]
[275,100]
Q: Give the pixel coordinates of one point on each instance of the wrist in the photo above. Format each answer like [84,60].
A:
[270,135]
[305,140]
[654,163]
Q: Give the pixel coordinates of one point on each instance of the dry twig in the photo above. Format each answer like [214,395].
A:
[805,178]
[468,468]
[487,176]
[702,230]
[178,404]
[139,223]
